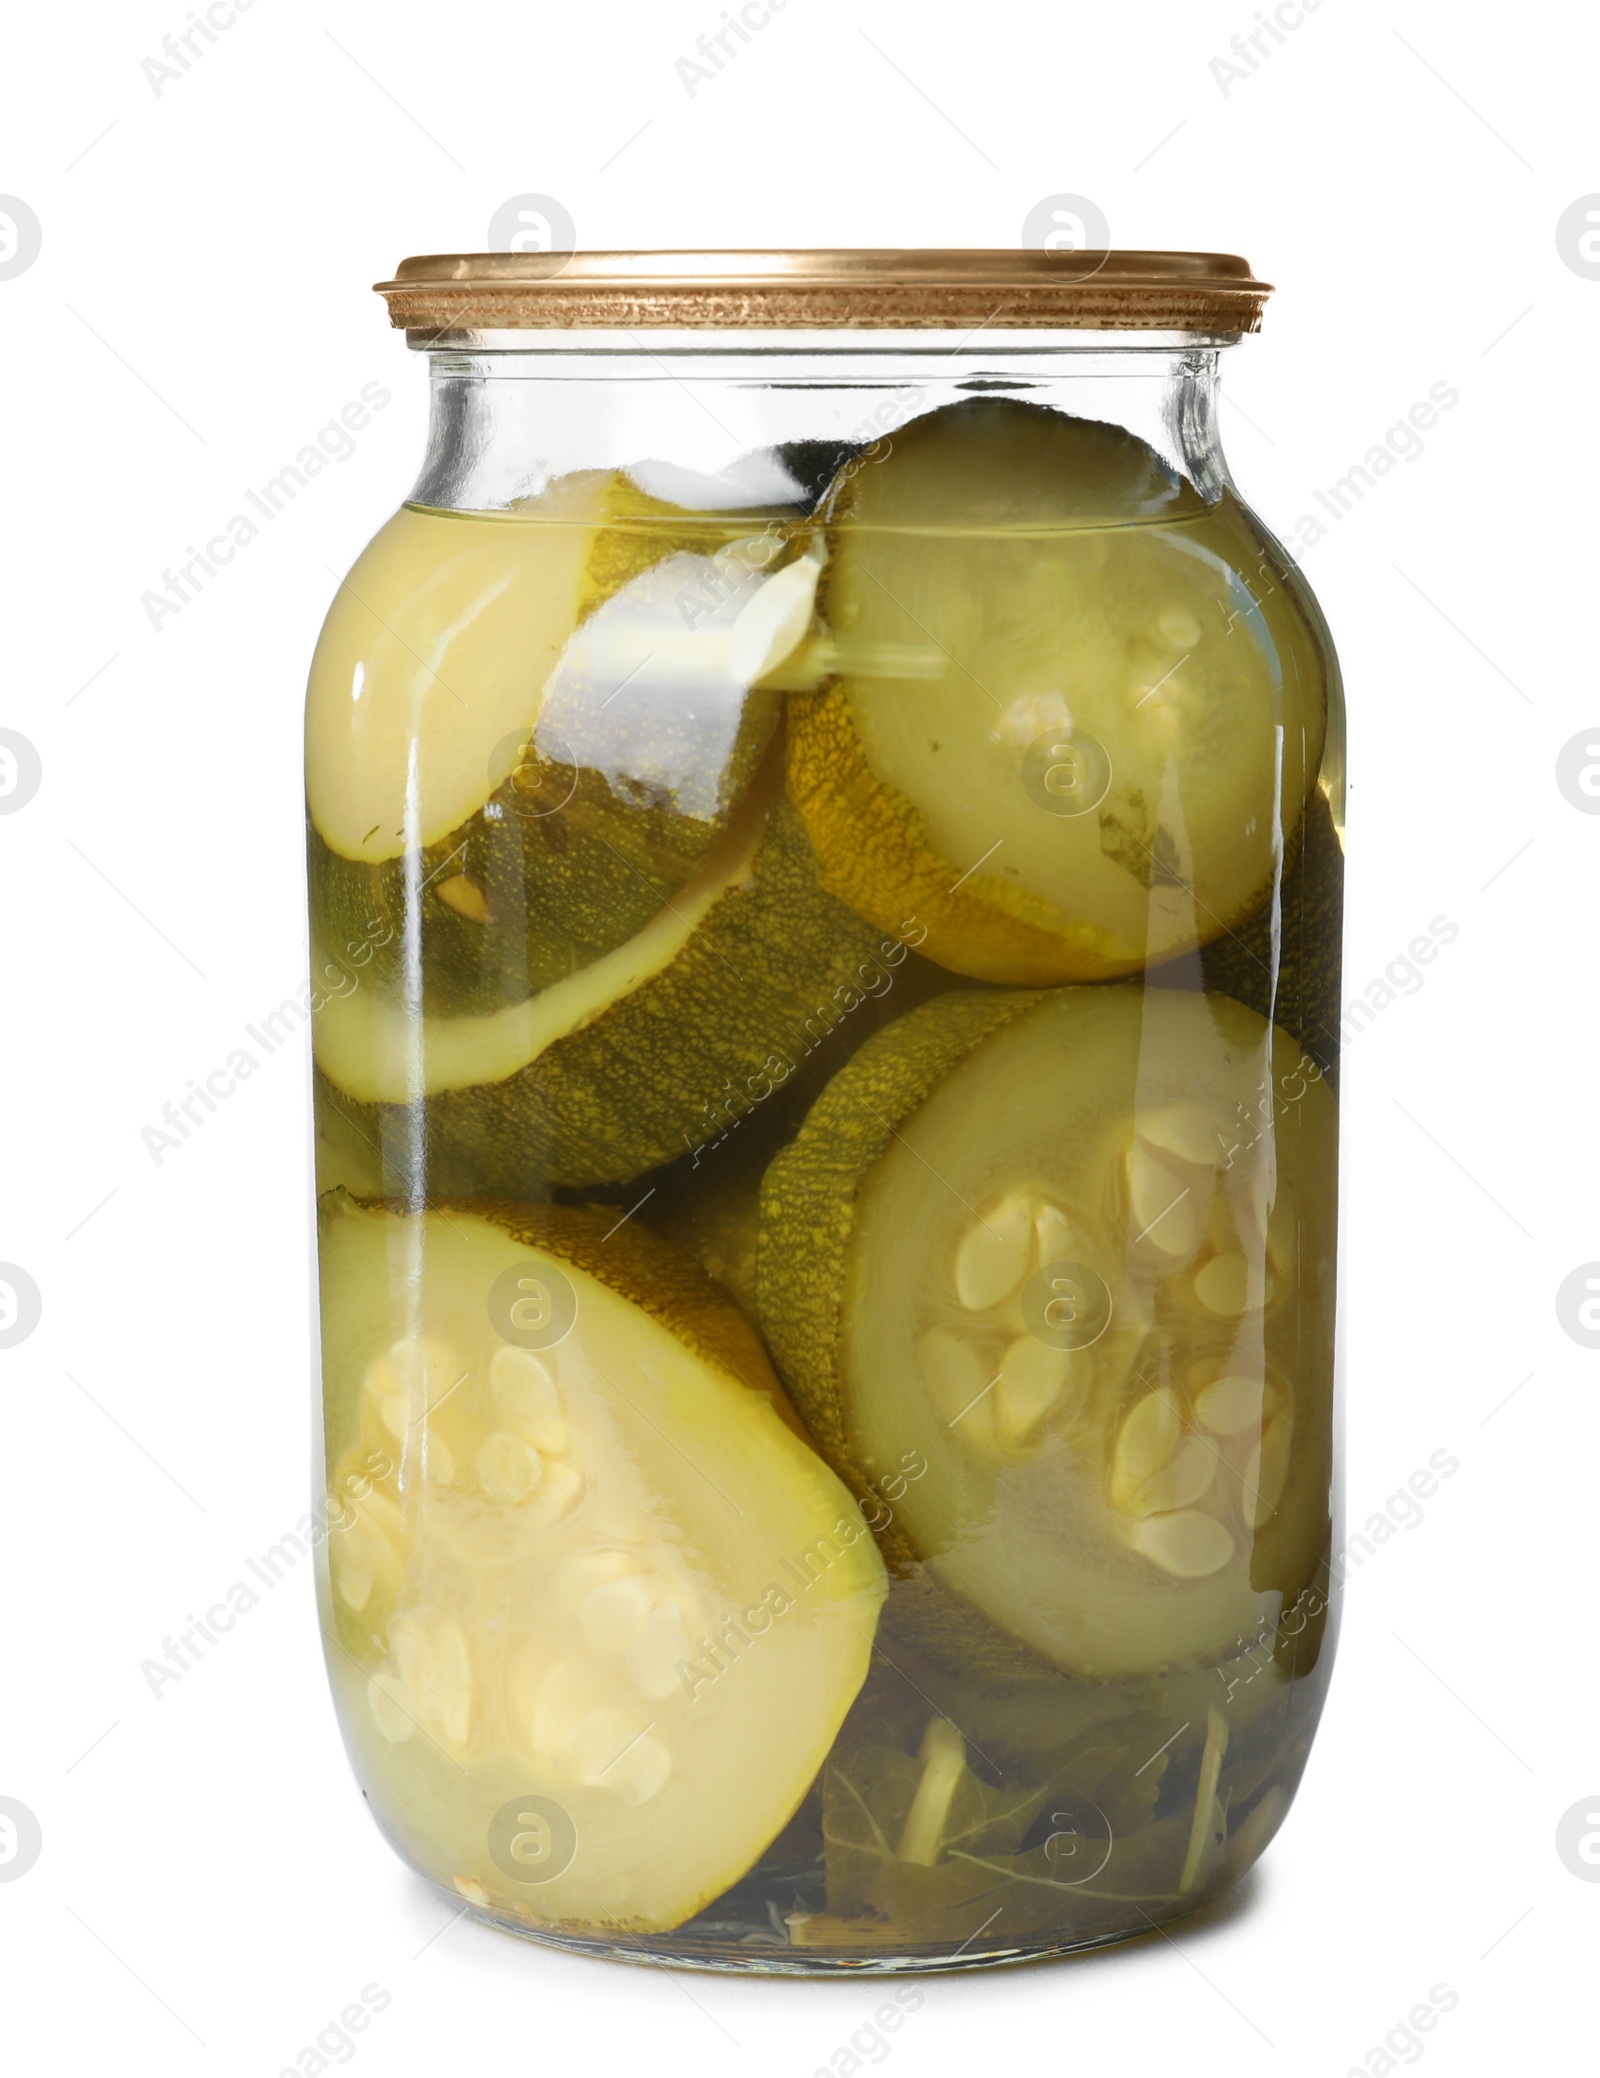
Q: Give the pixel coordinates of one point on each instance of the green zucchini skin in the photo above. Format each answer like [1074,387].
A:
[561,889]
[775,970]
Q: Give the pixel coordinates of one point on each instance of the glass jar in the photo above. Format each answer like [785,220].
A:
[825,823]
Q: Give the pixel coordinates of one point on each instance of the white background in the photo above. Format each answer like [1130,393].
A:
[210,1891]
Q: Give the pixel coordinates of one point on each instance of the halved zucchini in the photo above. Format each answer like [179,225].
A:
[598,1575]
[1075,1247]
[1129,715]
[526,730]
[634,1059]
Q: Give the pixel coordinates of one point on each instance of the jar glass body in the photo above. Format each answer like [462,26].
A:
[825,864]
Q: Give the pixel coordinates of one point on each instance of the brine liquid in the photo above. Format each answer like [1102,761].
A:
[979,1802]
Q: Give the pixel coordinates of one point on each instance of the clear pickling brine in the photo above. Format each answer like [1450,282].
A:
[825,912]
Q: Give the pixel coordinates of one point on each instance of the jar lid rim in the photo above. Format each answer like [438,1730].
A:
[839,289]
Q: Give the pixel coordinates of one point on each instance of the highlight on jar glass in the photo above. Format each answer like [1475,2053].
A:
[825,842]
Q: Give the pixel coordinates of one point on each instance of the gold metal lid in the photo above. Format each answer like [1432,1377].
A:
[1022,289]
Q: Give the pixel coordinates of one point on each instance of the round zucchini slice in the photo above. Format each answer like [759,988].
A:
[1128,713]
[583,1563]
[526,731]
[638,1057]
[1075,1247]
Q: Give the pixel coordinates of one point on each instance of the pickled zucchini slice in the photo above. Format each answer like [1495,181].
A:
[525,731]
[1076,1248]
[634,1059]
[601,1568]
[1127,721]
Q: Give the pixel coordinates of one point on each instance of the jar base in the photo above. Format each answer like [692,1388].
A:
[760,1956]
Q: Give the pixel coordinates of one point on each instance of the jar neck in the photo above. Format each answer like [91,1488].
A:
[712,428]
